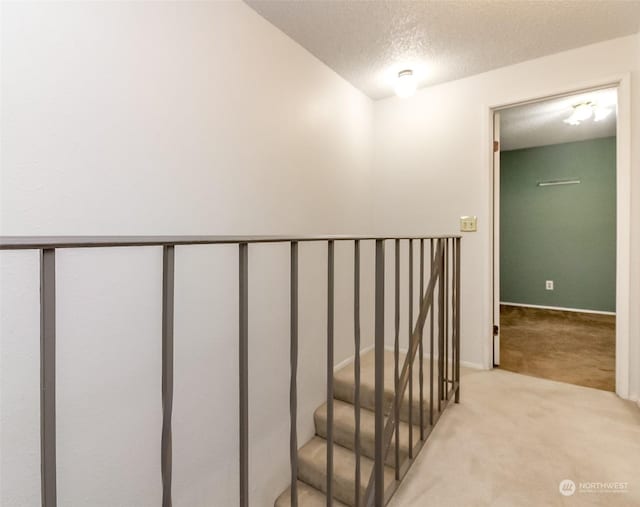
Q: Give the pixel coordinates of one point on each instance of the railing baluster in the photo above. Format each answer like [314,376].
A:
[293,387]
[330,323]
[48,377]
[446,318]
[396,358]
[411,362]
[379,376]
[444,321]
[356,329]
[458,295]
[441,328]
[450,313]
[243,282]
[448,321]
[450,316]
[453,314]
[431,326]
[168,268]
[421,351]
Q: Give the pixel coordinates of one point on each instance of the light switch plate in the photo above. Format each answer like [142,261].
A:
[468,224]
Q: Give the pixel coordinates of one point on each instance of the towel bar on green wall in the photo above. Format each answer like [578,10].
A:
[557,182]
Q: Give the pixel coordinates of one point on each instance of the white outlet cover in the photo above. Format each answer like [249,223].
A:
[549,285]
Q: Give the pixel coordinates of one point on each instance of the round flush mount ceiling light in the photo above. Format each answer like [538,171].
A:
[586,110]
[583,111]
[601,112]
[406,84]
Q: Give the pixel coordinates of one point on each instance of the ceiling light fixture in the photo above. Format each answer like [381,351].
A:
[406,84]
[586,110]
[583,111]
[600,113]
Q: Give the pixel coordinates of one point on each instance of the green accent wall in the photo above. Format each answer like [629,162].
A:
[563,233]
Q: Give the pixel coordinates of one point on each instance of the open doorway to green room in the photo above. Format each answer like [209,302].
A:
[557,250]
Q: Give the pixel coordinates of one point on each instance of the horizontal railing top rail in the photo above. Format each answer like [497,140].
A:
[41,242]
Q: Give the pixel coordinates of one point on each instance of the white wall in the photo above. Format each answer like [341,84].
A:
[431,165]
[169,118]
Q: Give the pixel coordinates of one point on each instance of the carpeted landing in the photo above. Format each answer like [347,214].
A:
[578,348]
[514,438]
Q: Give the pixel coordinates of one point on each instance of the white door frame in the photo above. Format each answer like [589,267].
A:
[495,231]
[623,215]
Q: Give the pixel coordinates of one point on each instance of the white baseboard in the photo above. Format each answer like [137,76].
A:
[473,366]
[577,310]
[351,359]
[466,364]
[402,350]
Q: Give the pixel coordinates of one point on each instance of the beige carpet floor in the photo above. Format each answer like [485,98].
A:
[513,438]
[578,348]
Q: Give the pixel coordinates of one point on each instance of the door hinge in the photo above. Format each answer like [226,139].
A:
[496,146]
[496,329]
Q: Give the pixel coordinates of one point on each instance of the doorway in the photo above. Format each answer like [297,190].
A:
[555,243]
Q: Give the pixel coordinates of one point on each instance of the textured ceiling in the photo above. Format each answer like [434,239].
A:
[541,123]
[368,42]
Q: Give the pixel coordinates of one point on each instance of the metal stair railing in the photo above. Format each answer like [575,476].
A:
[444,273]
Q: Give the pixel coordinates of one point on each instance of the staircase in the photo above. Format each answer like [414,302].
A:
[312,473]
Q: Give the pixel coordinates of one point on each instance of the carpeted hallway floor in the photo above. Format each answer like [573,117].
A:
[513,438]
[578,348]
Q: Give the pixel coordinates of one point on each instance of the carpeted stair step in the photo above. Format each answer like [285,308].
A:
[344,386]
[312,469]
[344,431]
[307,497]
